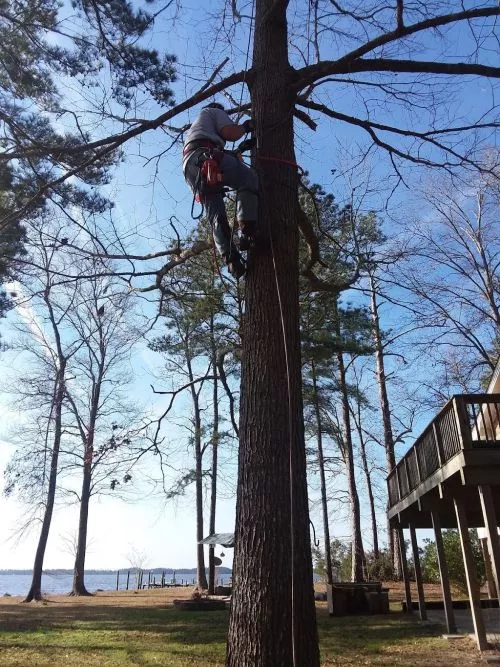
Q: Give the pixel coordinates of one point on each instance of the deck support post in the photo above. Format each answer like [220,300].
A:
[404,568]
[471,575]
[443,574]
[418,575]
[490,523]
[488,571]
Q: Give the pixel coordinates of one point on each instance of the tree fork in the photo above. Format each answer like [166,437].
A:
[273,620]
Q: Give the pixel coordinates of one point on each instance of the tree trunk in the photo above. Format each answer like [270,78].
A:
[357,550]
[273,619]
[35,591]
[215,446]
[369,485]
[486,272]
[200,553]
[79,587]
[201,575]
[321,465]
[393,535]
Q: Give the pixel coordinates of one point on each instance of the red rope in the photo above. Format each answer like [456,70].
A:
[282,161]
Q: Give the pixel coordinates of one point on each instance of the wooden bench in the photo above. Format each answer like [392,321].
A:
[357,598]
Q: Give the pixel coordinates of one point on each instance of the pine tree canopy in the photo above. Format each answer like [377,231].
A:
[61,65]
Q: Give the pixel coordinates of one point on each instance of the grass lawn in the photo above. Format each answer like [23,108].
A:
[145,629]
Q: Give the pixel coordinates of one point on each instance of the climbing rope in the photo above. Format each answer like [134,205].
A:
[197,189]
[290,448]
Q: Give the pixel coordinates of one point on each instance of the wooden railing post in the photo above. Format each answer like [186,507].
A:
[393,488]
[462,421]
[417,463]
[400,495]
[407,472]
[439,443]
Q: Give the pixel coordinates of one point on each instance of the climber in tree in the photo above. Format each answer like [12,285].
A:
[204,149]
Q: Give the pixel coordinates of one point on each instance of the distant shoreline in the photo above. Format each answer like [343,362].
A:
[60,581]
[153,570]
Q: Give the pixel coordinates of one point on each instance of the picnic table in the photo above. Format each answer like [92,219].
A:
[357,598]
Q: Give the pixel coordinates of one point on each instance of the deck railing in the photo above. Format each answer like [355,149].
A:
[466,421]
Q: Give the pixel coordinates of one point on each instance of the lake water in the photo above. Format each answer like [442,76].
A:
[19,584]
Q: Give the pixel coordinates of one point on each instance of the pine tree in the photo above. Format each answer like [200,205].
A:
[332,328]
[42,47]
[202,318]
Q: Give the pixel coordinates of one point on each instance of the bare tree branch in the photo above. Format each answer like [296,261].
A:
[308,75]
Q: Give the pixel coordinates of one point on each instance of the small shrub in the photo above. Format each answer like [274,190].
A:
[454,559]
[379,568]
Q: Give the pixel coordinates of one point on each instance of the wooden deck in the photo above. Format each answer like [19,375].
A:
[457,452]
[451,478]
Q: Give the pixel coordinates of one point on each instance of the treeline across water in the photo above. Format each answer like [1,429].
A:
[59,582]
[154,570]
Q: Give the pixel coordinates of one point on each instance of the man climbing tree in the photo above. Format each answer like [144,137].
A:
[208,168]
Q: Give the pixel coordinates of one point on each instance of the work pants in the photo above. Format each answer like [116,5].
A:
[235,175]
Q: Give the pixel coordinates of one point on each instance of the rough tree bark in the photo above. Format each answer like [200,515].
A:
[273,593]
[385,409]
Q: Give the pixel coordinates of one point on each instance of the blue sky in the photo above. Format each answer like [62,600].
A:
[148,192]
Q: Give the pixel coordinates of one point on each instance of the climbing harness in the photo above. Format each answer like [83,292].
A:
[209,181]
[210,172]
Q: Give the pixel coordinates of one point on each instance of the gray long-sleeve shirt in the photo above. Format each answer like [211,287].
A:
[208,125]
